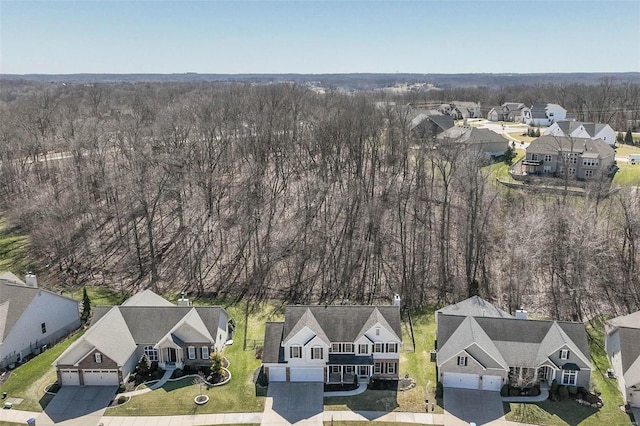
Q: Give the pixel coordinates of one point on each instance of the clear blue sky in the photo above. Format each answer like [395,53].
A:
[63,37]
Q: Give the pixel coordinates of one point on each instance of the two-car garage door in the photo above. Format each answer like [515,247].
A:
[296,374]
[471,381]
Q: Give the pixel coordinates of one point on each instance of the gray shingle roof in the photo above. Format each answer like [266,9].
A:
[273,351]
[471,135]
[476,307]
[341,323]
[553,144]
[467,334]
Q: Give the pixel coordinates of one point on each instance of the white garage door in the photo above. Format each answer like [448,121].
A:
[100,377]
[491,383]
[277,374]
[307,374]
[634,400]
[70,377]
[461,380]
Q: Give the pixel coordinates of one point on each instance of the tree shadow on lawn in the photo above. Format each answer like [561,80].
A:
[568,411]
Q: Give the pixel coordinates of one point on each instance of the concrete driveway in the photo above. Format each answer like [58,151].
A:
[77,406]
[293,403]
[463,406]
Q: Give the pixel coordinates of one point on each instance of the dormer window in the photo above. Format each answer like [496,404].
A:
[564,354]
[97,357]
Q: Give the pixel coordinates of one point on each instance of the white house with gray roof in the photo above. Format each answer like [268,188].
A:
[579,129]
[622,344]
[479,346]
[31,318]
[543,114]
[333,344]
[173,336]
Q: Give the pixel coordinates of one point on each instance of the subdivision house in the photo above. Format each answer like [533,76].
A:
[581,158]
[460,110]
[174,336]
[622,344]
[428,125]
[479,346]
[509,111]
[31,318]
[333,344]
[543,114]
[486,141]
[579,129]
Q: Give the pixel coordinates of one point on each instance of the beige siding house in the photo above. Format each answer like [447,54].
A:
[488,142]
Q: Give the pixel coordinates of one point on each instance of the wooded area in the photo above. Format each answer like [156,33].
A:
[254,192]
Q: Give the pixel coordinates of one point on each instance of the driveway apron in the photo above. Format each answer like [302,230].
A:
[463,406]
[293,403]
[77,406]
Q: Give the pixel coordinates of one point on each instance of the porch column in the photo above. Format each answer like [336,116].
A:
[341,373]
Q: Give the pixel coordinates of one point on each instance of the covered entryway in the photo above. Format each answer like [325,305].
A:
[315,374]
[100,377]
[491,383]
[69,377]
[461,380]
[277,374]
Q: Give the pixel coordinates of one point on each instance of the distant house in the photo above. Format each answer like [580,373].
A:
[482,347]
[583,158]
[31,318]
[622,344]
[145,324]
[578,129]
[333,344]
[429,124]
[487,141]
[509,111]
[543,114]
[460,110]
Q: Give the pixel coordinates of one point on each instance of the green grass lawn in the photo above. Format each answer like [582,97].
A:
[571,413]
[176,398]
[29,380]
[13,250]
[416,364]
[500,170]
[628,174]
[623,150]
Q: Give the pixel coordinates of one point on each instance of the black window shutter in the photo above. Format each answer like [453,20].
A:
[568,353]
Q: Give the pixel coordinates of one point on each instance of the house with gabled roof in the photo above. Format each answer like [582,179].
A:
[581,158]
[31,318]
[429,124]
[333,344]
[174,336]
[543,114]
[485,141]
[622,344]
[509,111]
[578,129]
[480,346]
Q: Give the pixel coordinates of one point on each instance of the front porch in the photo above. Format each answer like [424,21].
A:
[527,376]
[170,358]
[346,368]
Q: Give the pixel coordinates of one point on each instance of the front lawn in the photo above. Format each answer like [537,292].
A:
[628,174]
[237,396]
[416,364]
[29,380]
[570,412]
[13,249]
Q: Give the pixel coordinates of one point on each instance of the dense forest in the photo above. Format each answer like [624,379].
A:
[253,192]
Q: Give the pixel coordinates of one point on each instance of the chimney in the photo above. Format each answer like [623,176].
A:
[183,301]
[396,300]
[31,280]
[521,314]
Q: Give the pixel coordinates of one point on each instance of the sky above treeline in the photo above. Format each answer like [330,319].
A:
[237,37]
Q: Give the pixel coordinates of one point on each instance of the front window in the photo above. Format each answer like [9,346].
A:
[335,347]
[295,352]
[564,354]
[547,158]
[204,352]
[151,353]
[363,349]
[97,357]
[391,368]
[569,377]
[588,173]
[347,348]
[377,368]
[377,347]
[192,352]
[392,347]
[462,360]
[316,353]
[43,326]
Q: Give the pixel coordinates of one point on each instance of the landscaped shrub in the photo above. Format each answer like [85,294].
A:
[216,363]
[554,388]
[563,393]
[514,392]
[591,398]
[439,390]
[504,391]
[573,390]
[177,373]
[122,399]
[534,391]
